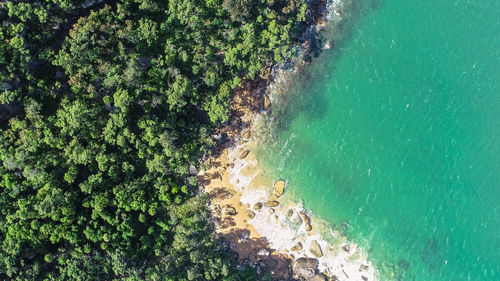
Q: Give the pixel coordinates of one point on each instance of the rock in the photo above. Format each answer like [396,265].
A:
[305,217]
[257,206]
[244,154]
[364,278]
[289,212]
[328,45]
[297,247]
[235,122]
[364,267]
[263,252]
[246,135]
[315,249]
[267,102]
[346,248]
[272,203]
[250,214]
[279,187]
[309,17]
[305,267]
[271,211]
[322,23]
[231,211]
[308,227]
[244,234]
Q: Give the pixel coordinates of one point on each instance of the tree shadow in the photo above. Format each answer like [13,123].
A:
[220,193]
[257,251]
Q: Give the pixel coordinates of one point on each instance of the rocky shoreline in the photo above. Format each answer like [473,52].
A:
[268,232]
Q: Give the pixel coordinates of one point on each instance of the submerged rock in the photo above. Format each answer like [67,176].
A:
[289,212]
[272,203]
[296,219]
[279,187]
[244,154]
[315,249]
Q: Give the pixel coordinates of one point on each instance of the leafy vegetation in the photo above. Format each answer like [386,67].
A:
[103,107]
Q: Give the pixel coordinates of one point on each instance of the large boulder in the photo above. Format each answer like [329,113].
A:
[305,267]
[315,249]
[305,217]
[250,214]
[271,204]
[244,154]
[279,187]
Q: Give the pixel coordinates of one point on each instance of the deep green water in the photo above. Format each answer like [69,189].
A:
[396,132]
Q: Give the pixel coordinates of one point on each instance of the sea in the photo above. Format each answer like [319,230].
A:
[393,136]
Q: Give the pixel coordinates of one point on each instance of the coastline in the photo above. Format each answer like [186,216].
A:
[263,226]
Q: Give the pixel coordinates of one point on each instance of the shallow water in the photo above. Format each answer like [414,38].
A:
[395,135]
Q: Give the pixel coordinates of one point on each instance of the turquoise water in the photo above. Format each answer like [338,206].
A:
[395,135]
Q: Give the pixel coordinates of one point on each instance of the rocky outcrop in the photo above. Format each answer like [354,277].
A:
[315,249]
[279,188]
[305,267]
[244,234]
[317,277]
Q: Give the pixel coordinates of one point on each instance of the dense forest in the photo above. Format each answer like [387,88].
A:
[104,105]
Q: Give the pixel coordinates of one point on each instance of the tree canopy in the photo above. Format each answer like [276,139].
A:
[103,107]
